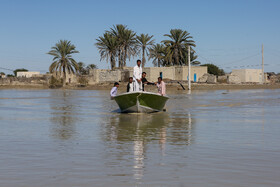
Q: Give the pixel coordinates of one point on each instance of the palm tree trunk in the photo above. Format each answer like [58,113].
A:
[125,55]
[143,57]
[120,60]
[158,63]
[64,76]
[176,56]
[113,63]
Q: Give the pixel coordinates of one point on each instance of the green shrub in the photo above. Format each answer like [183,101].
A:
[82,80]
[213,69]
[55,83]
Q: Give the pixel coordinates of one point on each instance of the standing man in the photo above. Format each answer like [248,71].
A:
[161,87]
[137,75]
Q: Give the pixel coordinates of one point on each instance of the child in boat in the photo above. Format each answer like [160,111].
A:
[129,87]
[114,90]
[161,87]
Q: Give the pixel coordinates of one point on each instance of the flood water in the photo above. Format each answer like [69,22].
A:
[67,138]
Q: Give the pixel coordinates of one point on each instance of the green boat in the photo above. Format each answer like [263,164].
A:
[140,102]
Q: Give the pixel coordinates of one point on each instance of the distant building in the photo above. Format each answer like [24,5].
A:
[248,75]
[27,74]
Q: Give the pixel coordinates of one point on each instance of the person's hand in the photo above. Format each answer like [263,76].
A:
[138,80]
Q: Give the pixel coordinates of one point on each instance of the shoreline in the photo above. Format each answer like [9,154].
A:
[148,87]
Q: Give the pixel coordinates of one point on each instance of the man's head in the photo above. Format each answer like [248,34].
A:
[144,74]
[130,79]
[116,84]
[138,63]
[159,79]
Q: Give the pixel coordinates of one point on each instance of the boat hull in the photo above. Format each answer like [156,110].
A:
[140,102]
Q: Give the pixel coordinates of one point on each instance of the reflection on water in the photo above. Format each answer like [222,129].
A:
[75,138]
[142,129]
[63,115]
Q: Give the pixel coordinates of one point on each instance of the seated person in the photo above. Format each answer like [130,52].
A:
[145,81]
[129,87]
[114,90]
[161,87]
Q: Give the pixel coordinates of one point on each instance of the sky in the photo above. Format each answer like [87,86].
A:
[228,33]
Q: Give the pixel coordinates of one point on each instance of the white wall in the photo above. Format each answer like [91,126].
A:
[172,73]
[27,74]
[248,75]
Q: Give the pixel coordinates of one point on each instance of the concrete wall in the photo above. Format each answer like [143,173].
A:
[196,71]
[248,75]
[175,73]
[171,73]
[105,75]
[27,74]
[70,78]
[154,72]
[23,81]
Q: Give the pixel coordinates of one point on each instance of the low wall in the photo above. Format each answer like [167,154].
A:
[171,73]
[22,81]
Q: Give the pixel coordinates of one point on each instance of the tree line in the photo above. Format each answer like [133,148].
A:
[120,43]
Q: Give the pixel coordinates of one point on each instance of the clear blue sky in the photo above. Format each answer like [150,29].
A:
[227,33]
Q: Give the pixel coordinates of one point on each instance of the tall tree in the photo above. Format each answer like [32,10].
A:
[63,61]
[108,47]
[156,52]
[129,45]
[126,42]
[91,67]
[144,41]
[81,68]
[178,41]
[193,58]
[118,31]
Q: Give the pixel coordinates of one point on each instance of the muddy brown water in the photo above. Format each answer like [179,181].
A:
[78,138]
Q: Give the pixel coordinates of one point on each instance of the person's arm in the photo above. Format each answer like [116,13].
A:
[144,81]
[150,83]
[127,87]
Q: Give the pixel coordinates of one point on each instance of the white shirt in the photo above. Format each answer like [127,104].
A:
[137,72]
[130,87]
[114,91]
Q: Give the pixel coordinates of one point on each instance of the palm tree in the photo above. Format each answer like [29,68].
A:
[108,46]
[63,61]
[157,54]
[193,57]
[126,42]
[81,68]
[91,66]
[144,42]
[129,45]
[177,44]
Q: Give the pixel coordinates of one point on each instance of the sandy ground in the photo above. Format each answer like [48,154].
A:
[172,86]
